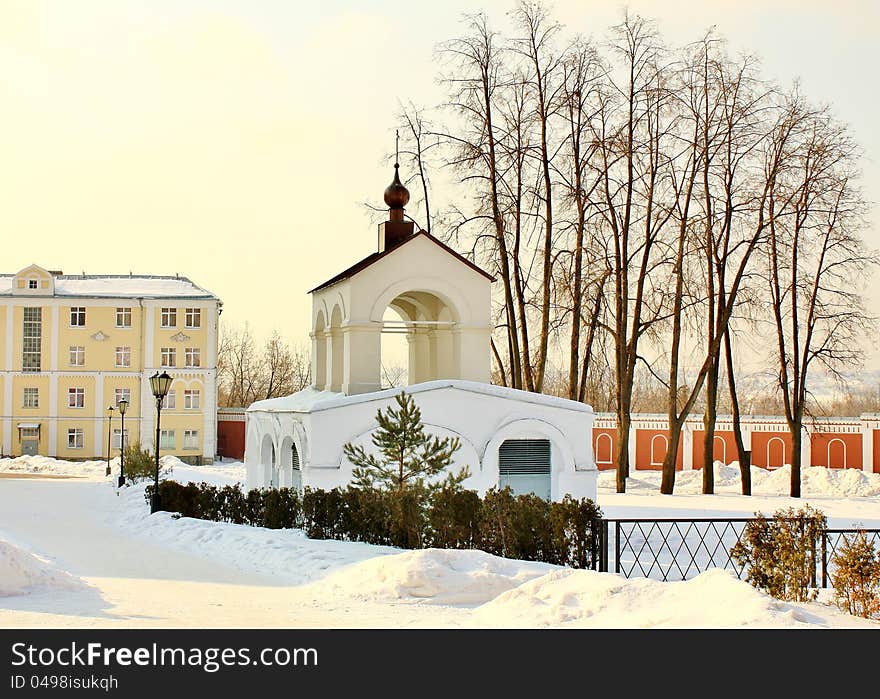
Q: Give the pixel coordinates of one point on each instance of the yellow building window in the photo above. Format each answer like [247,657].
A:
[191,399]
[31,398]
[190,439]
[77,317]
[122,394]
[76,397]
[193,317]
[169,357]
[193,357]
[123,317]
[77,355]
[169,318]
[123,356]
[75,438]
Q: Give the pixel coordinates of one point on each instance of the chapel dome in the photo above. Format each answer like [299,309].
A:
[396,195]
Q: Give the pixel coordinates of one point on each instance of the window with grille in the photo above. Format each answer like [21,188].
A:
[76,397]
[123,356]
[32,283]
[31,347]
[77,317]
[191,399]
[123,317]
[193,357]
[169,317]
[190,439]
[75,438]
[169,357]
[193,317]
[524,466]
[31,398]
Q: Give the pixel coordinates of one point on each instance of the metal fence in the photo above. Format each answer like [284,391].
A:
[680,549]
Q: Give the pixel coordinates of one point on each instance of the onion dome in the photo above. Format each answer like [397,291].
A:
[396,195]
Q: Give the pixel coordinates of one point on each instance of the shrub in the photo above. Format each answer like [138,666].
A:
[453,519]
[574,526]
[323,514]
[780,553]
[502,523]
[857,576]
[367,515]
[281,509]
[140,464]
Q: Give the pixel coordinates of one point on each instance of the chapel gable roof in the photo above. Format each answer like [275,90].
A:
[376,256]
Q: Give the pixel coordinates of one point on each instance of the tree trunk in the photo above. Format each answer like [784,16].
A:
[744,456]
[623,424]
[796,439]
[667,484]
[709,419]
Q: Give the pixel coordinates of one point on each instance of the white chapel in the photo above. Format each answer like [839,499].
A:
[530,442]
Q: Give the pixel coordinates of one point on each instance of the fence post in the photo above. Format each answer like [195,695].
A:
[617,547]
[595,536]
[813,561]
[824,558]
[604,568]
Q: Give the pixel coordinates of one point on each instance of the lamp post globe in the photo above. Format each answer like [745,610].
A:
[123,406]
[159,385]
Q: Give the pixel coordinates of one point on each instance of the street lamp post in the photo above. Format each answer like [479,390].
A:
[122,405]
[159,384]
[109,434]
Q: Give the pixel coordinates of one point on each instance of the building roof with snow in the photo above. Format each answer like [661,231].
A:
[311,400]
[57,284]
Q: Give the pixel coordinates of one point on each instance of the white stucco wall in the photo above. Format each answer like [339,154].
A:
[481,416]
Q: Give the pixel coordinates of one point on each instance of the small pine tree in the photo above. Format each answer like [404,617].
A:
[857,577]
[409,457]
[779,554]
[140,464]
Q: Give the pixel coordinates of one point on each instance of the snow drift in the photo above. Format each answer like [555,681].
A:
[714,599]
[22,572]
[51,466]
[437,576]
[816,481]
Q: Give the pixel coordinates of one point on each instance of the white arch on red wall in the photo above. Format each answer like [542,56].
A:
[723,449]
[599,440]
[654,462]
[828,454]
[769,442]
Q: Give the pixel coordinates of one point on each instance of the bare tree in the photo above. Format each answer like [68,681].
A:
[815,258]
[245,375]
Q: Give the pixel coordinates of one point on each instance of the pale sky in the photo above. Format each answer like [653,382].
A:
[234,141]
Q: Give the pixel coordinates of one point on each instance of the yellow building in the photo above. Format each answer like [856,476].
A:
[72,346]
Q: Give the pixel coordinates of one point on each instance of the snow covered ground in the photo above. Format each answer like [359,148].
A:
[77,552]
[221,473]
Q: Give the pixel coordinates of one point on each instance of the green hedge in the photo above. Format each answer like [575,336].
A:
[513,526]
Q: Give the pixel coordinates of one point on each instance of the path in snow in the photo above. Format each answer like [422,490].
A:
[138,583]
